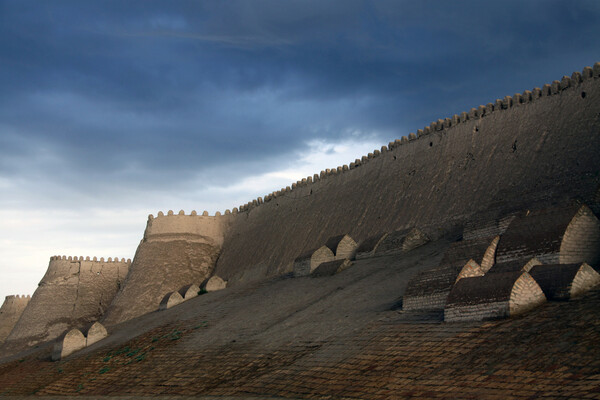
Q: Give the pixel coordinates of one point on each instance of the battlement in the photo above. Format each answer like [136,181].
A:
[74,267]
[91,259]
[505,104]
[16,297]
[193,227]
[193,213]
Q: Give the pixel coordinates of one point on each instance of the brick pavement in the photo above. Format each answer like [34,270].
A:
[551,353]
[320,349]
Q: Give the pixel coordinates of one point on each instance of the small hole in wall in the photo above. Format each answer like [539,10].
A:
[310,192]
[430,144]
[583,95]
[475,129]
[394,157]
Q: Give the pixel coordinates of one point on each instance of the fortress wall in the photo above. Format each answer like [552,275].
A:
[539,147]
[176,250]
[73,293]
[10,312]
[193,227]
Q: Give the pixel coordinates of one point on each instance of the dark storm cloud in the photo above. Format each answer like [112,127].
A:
[131,92]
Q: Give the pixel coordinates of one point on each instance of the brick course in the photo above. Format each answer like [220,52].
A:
[494,295]
[429,289]
[563,234]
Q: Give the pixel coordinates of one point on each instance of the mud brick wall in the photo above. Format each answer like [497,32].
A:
[10,312]
[536,147]
[73,293]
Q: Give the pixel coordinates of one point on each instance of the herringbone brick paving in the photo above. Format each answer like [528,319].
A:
[551,352]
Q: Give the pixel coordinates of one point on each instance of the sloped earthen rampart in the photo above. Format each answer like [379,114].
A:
[536,147]
[10,312]
[176,249]
[73,293]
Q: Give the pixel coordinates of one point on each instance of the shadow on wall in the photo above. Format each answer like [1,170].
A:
[10,312]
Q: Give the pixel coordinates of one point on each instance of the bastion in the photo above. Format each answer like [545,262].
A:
[72,294]
[176,250]
[10,312]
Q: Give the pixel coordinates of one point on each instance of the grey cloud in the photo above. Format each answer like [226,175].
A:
[129,93]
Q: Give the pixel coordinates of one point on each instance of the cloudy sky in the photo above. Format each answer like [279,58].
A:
[110,111]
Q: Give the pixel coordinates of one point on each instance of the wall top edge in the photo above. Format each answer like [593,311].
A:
[500,105]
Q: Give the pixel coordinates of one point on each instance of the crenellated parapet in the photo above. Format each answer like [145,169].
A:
[91,259]
[17,298]
[193,213]
[193,227]
[13,302]
[75,268]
